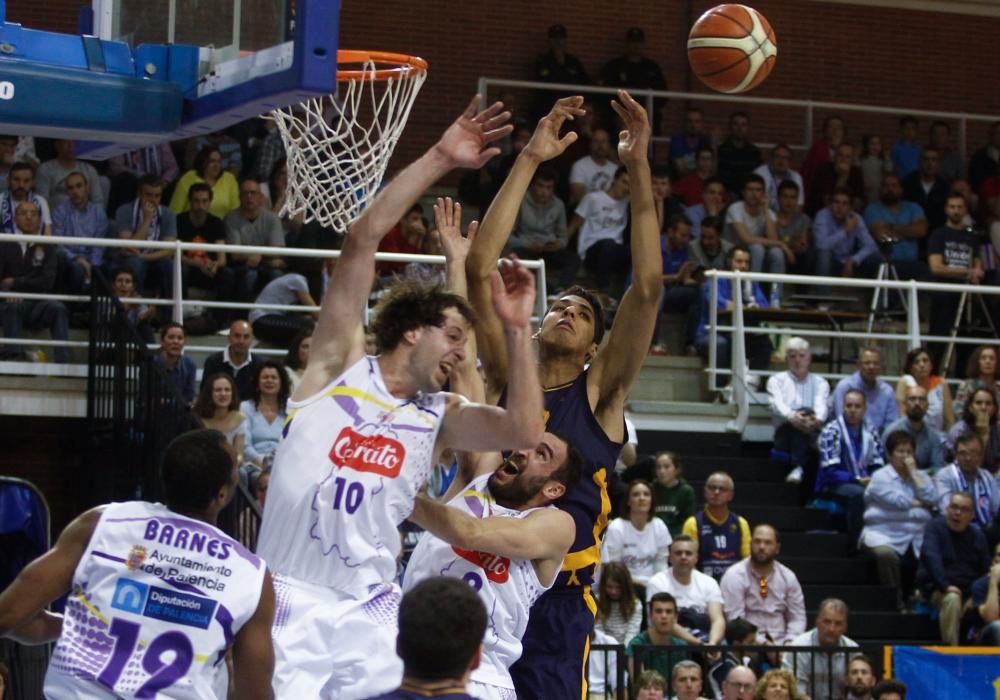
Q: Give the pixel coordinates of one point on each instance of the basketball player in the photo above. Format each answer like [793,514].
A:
[441,627]
[363,433]
[584,403]
[158,592]
[498,536]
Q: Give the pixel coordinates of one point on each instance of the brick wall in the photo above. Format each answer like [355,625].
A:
[827,51]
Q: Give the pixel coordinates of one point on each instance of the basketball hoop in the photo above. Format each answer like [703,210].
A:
[338,146]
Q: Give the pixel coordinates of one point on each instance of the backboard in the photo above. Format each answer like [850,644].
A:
[158,70]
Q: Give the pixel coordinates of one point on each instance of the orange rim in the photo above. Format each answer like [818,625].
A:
[399,65]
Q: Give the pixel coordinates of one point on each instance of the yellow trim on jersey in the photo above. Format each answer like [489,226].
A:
[87,604]
[691,529]
[365,396]
[575,561]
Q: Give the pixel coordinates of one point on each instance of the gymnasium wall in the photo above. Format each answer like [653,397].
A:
[827,51]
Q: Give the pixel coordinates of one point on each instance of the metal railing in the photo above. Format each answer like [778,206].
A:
[809,107]
[133,408]
[241,518]
[738,328]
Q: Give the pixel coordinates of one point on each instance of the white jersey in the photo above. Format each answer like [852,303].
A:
[157,599]
[345,476]
[507,588]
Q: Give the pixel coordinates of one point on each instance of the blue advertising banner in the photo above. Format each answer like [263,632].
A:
[969,673]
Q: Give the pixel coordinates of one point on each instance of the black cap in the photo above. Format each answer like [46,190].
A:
[635,34]
[558,31]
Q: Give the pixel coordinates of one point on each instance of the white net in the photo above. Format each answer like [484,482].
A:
[338,146]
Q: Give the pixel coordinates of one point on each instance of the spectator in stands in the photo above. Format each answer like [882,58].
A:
[208,169]
[918,370]
[860,678]
[558,65]
[8,145]
[277,192]
[593,172]
[874,164]
[21,188]
[708,250]
[407,236]
[600,219]
[925,187]
[619,610]
[954,554]
[297,359]
[930,454]
[540,230]
[954,257]
[228,146]
[966,475]
[218,408]
[32,270]
[842,173]
[686,681]
[952,166]
[798,400]
[254,225]
[980,418]
[777,684]
[146,219]
[602,665]
[899,225]
[822,150]
[849,453]
[879,396]
[266,412]
[712,205]
[270,151]
[201,269]
[765,592]
[980,371]
[279,327]
[441,626]
[737,155]
[681,288]
[844,248]
[77,216]
[752,223]
[985,160]
[180,369]
[126,169]
[686,147]
[777,172]
[642,652]
[236,359]
[667,205]
[634,70]
[900,501]
[51,178]
[822,676]
[987,198]
[138,316]
[722,537]
[689,188]
[794,229]
[740,684]
[699,599]
[905,152]
[673,496]
[889,689]
[739,632]
[638,539]
[758,345]
[650,686]
[984,615]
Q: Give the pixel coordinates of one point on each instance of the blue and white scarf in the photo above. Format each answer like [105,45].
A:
[857,456]
[982,492]
[7,210]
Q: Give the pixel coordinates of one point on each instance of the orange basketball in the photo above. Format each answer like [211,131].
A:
[732,48]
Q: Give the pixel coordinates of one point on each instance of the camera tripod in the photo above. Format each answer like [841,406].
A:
[966,309]
[886,271]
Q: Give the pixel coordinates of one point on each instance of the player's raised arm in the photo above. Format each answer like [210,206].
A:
[617,365]
[43,581]
[339,339]
[544,145]
[253,650]
[478,427]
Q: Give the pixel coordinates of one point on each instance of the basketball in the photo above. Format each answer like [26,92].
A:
[732,48]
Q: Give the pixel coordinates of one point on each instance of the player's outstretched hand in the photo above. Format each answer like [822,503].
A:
[448,218]
[466,143]
[545,143]
[633,140]
[513,293]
